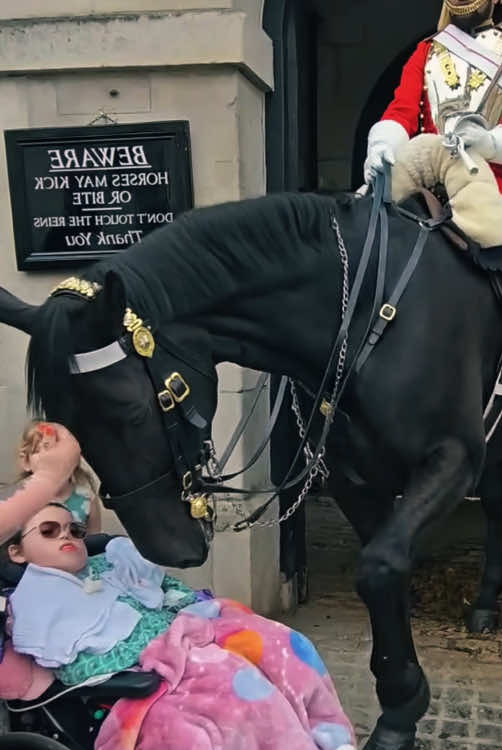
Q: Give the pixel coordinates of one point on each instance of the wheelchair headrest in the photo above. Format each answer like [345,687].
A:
[11,573]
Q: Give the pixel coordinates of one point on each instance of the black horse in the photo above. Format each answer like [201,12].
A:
[259,283]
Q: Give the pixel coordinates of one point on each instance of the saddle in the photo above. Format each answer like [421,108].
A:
[488,259]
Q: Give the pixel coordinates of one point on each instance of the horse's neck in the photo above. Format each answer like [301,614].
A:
[263,278]
[286,327]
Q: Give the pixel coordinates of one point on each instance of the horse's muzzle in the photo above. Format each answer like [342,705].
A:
[161,526]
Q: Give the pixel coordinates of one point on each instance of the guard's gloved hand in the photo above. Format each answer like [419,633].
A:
[384,139]
[487,143]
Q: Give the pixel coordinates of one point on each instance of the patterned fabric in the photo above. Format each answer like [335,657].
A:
[232,680]
[125,653]
[79,506]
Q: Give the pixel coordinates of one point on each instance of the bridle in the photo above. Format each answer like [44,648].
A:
[187,431]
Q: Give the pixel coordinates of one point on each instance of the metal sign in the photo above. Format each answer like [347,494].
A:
[81,194]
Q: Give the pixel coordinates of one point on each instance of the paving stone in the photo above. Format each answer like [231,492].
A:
[489,714]
[453,729]
[489,732]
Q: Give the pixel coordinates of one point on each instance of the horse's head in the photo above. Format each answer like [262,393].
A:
[139,400]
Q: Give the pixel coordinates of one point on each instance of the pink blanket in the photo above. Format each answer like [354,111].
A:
[232,681]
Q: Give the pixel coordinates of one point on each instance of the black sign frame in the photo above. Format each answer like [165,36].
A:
[170,138]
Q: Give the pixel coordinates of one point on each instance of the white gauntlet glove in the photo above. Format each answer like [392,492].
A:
[487,143]
[384,139]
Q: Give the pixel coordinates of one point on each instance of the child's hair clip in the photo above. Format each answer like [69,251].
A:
[46,429]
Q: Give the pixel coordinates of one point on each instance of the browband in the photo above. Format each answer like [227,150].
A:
[98,359]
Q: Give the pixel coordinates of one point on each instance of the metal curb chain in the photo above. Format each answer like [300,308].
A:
[295,407]
[319,467]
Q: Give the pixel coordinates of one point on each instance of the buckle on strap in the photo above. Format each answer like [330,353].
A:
[178,387]
[166,400]
[431,224]
[187,480]
[388,312]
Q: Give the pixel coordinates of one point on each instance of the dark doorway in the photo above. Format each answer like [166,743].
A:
[376,103]
[291,107]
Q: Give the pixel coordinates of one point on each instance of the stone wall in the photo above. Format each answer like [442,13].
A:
[205,61]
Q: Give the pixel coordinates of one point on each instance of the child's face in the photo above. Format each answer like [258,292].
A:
[47,541]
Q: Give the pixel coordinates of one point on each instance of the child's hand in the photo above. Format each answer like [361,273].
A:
[48,434]
[59,453]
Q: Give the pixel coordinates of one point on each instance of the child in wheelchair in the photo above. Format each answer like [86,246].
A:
[86,616]
[226,672]
[37,706]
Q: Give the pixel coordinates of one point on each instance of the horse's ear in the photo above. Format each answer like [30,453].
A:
[14,312]
[109,305]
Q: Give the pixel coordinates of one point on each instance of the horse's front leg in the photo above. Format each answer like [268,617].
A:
[484,614]
[436,487]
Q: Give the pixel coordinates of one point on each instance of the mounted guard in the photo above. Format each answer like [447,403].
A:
[452,87]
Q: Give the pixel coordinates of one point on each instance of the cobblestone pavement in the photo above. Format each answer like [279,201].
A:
[465,672]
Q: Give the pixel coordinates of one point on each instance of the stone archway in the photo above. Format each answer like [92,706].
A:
[361,48]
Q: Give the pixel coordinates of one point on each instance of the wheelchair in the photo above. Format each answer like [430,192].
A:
[66,718]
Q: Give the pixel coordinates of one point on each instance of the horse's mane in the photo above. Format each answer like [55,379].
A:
[49,352]
[204,253]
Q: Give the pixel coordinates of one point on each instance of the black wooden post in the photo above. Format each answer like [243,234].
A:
[291,165]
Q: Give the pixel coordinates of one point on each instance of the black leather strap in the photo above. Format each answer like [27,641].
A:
[388,311]
[274,414]
[381,194]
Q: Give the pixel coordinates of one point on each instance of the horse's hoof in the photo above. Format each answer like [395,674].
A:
[482,620]
[390,739]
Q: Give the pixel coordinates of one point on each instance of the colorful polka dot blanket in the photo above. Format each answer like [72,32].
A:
[232,680]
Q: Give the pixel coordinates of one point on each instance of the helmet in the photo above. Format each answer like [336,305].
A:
[452,8]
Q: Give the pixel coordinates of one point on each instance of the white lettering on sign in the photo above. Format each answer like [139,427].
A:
[88,198]
[131,236]
[78,240]
[91,181]
[52,183]
[49,222]
[97,157]
[103,220]
[104,197]
[79,221]
[159,218]
[140,179]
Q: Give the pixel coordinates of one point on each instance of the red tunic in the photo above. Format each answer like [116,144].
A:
[410,106]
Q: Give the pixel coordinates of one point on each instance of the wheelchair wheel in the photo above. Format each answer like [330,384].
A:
[29,741]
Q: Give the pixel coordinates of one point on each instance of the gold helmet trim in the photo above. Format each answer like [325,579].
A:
[451,9]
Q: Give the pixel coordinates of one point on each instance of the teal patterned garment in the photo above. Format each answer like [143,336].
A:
[79,506]
[125,653]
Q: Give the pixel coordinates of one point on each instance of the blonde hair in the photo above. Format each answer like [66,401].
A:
[30,444]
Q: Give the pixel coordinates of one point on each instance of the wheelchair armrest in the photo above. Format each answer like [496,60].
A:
[122,685]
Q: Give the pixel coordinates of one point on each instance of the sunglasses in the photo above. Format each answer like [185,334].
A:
[53,529]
